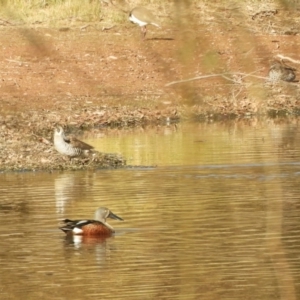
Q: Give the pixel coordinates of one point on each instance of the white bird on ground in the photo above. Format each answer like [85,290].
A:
[142,17]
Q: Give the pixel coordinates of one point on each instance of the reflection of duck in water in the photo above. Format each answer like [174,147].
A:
[97,243]
[280,71]
[96,227]
[64,186]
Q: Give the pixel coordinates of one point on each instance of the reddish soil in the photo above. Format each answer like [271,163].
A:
[69,67]
[47,68]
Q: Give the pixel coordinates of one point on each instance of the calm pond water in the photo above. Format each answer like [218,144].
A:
[218,218]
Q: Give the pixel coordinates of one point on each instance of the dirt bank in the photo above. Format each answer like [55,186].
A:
[82,77]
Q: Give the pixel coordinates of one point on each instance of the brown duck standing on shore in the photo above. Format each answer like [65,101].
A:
[70,146]
[142,17]
[280,71]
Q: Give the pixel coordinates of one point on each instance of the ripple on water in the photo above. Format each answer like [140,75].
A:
[215,220]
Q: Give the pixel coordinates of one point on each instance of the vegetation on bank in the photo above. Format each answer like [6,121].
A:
[50,12]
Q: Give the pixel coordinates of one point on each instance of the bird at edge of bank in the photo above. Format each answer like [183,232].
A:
[96,227]
[143,17]
[70,146]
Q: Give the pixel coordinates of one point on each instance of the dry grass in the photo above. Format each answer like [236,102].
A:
[61,12]
[184,14]
[51,12]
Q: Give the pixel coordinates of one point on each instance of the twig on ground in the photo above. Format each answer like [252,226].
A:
[194,78]
[6,22]
[42,139]
[84,26]
[229,79]
[224,75]
[108,28]
[288,58]
[15,61]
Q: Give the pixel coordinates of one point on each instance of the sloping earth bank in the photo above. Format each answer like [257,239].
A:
[83,77]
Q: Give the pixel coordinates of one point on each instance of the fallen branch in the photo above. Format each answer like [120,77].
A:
[194,78]
[108,28]
[288,58]
[224,75]
[15,61]
[84,27]
[6,22]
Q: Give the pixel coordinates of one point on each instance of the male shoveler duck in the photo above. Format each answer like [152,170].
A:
[96,227]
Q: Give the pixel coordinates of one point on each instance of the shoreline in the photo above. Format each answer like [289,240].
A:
[84,79]
[26,140]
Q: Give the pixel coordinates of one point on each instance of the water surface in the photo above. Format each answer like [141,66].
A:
[218,218]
